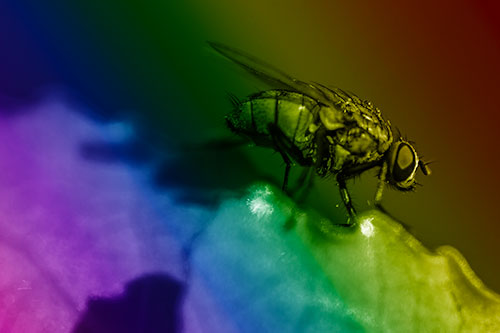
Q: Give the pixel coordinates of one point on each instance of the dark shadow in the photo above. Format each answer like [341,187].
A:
[209,173]
[207,176]
[197,174]
[149,304]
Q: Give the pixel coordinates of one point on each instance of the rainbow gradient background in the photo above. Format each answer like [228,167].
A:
[432,68]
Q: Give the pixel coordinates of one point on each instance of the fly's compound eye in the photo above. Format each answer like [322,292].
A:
[403,165]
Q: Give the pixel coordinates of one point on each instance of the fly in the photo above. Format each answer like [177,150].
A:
[329,129]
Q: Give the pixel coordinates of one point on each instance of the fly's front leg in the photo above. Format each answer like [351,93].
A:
[381,184]
[344,194]
[382,176]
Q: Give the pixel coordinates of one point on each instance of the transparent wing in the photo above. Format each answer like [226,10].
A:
[273,76]
[335,94]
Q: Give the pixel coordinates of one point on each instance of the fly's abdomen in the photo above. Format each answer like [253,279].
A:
[290,112]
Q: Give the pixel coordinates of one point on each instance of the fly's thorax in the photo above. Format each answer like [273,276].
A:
[351,116]
[356,131]
[292,113]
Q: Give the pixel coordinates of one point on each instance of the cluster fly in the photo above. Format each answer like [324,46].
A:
[329,129]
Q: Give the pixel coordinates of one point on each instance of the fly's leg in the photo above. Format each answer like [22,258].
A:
[287,171]
[346,198]
[279,141]
[382,176]
[306,182]
[381,183]
[287,149]
[302,178]
[352,172]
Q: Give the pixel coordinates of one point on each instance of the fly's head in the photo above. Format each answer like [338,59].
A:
[403,162]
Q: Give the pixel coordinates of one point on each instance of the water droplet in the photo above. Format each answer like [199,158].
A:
[337,205]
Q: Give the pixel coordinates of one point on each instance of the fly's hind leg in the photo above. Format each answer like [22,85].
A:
[346,198]
[288,166]
[288,150]
[279,141]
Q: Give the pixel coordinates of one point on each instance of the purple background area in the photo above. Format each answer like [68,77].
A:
[73,226]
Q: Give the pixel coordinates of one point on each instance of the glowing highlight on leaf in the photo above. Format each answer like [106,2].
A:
[259,205]
[367,227]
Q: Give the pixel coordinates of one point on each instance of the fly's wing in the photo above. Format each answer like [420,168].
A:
[335,94]
[271,75]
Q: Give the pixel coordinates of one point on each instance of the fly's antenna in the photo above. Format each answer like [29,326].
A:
[233,99]
[424,167]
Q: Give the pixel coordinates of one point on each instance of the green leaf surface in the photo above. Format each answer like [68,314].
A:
[321,277]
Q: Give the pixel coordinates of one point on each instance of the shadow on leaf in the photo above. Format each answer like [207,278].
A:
[150,304]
